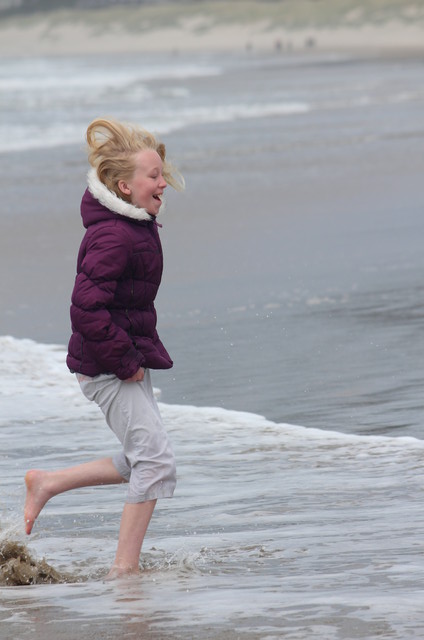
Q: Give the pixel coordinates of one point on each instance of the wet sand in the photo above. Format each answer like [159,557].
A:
[46,628]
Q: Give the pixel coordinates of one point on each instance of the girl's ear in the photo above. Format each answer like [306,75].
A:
[122,186]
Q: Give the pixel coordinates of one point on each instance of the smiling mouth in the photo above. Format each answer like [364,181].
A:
[156,197]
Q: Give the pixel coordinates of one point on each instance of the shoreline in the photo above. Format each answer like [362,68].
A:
[61,33]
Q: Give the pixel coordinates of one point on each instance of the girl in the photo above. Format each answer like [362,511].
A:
[114,341]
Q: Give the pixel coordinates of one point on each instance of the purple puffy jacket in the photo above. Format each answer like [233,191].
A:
[118,275]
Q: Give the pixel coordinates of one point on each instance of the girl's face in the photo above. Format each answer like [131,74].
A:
[147,184]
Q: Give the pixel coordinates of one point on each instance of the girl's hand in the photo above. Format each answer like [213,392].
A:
[137,377]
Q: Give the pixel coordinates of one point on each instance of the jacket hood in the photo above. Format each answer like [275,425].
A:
[99,203]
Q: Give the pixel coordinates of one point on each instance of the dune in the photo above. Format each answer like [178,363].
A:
[232,26]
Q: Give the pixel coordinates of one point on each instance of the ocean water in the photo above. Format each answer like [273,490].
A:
[48,101]
[293,263]
[292,305]
[274,529]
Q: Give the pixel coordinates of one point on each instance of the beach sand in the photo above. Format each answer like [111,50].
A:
[217,26]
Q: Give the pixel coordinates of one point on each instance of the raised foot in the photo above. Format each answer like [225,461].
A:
[36,497]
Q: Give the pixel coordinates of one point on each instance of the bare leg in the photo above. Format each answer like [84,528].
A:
[134,523]
[43,485]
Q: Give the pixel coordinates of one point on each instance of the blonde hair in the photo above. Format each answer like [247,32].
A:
[112,146]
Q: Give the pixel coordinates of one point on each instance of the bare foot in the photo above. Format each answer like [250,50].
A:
[37,496]
[117,572]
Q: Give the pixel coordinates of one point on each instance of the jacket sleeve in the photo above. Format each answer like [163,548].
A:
[107,255]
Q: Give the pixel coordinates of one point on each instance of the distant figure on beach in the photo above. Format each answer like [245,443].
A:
[114,341]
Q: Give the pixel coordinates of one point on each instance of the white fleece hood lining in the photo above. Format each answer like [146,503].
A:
[110,200]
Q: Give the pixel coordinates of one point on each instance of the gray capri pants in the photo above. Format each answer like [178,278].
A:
[146,460]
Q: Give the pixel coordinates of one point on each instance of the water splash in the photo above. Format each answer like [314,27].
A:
[18,567]
[181,560]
